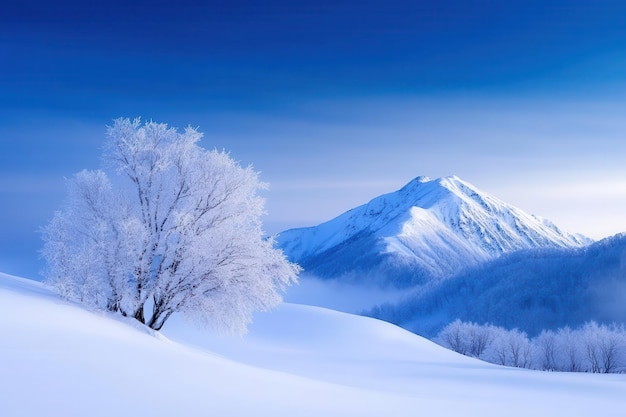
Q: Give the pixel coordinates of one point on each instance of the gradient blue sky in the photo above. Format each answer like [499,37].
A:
[335,102]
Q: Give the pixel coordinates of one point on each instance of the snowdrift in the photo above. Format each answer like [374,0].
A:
[58,359]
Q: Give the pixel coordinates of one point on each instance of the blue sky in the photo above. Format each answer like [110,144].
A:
[334,102]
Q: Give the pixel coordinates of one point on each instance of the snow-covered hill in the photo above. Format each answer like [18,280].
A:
[529,290]
[58,359]
[428,229]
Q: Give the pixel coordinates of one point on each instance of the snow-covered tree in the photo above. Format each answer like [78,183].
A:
[594,347]
[570,344]
[603,346]
[177,229]
[469,339]
[510,348]
[454,337]
[520,349]
[546,350]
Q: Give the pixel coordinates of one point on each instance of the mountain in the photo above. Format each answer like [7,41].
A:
[427,229]
[58,359]
[530,290]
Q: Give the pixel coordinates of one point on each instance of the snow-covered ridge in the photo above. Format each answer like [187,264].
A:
[432,226]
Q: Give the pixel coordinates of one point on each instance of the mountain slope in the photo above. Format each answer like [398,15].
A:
[428,229]
[59,359]
[530,290]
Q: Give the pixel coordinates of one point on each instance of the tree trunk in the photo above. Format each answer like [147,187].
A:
[158,319]
[113,305]
[139,315]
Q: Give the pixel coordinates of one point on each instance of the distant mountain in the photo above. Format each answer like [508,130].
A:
[531,290]
[428,229]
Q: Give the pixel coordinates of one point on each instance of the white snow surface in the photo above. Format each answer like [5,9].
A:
[438,226]
[58,359]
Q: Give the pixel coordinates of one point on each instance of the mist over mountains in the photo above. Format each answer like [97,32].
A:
[449,251]
[531,290]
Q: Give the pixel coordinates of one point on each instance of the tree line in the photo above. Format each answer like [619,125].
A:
[593,347]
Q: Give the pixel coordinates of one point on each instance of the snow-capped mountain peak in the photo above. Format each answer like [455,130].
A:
[428,228]
[491,224]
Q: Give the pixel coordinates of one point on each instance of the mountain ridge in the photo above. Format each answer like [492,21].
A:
[531,290]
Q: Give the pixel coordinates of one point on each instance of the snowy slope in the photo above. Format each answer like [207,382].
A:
[58,359]
[429,228]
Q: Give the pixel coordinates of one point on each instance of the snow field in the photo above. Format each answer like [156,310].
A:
[58,359]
